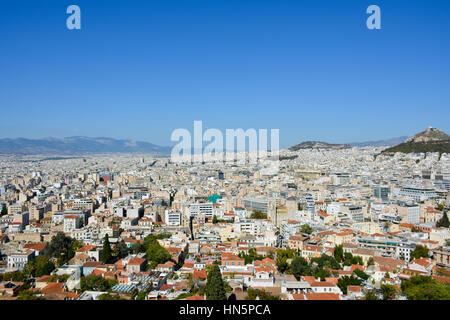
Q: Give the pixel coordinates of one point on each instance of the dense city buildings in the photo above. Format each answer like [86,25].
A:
[329,225]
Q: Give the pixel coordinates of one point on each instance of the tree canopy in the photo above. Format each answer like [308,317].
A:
[258,215]
[425,288]
[156,254]
[250,256]
[388,291]
[252,294]
[39,266]
[96,283]
[346,281]
[306,229]
[282,257]
[419,252]
[62,248]
[28,295]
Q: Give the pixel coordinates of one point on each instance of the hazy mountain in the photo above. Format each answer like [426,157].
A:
[78,145]
[318,145]
[380,143]
[429,140]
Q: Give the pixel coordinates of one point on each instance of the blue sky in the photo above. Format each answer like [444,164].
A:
[140,69]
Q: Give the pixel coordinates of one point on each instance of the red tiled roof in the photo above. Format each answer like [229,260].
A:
[35,246]
[199,274]
[322,296]
[136,261]
[53,287]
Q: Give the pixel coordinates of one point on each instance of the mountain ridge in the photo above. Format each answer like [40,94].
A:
[78,145]
[380,143]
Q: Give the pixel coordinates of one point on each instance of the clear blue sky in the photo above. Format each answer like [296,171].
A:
[140,69]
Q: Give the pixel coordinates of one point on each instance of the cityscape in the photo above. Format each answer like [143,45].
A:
[255,153]
[334,223]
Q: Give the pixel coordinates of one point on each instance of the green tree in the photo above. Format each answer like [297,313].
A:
[58,278]
[122,250]
[346,281]
[300,267]
[389,291]
[215,220]
[252,294]
[306,229]
[339,253]
[251,256]
[184,295]
[258,215]
[96,283]
[28,295]
[106,253]
[419,252]
[138,248]
[39,266]
[425,288]
[371,295]
[4,212]
[62,248]
[282,257]
[156,254]
[142,295]
[443,222]
[215,288]
[361,274]
[370,262]
[14,276]
[326,262]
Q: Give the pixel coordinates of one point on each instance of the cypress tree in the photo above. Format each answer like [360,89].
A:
[443,222]
[106,254]
[215,288]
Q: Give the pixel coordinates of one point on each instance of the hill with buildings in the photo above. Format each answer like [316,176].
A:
[318,145]
[77,145]
[429,140]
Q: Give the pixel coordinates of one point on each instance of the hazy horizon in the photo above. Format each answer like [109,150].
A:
[139,70]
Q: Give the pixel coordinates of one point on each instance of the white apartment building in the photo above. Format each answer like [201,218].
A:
[72,222]
[248,226]
[205,209]
[418,193]
[289,228]
[172,217]
[18,259]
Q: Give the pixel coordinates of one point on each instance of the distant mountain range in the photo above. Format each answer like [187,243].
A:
[318,145]
[380,143]
[78,145]
[429,140]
